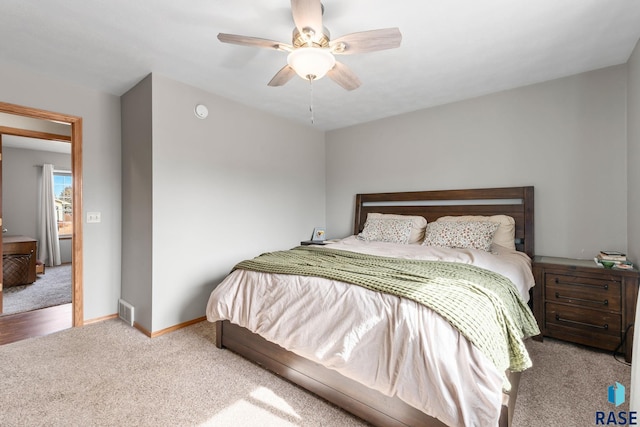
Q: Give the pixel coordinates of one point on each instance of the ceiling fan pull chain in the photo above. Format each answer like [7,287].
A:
[311,100]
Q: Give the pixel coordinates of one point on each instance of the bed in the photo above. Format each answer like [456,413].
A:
[384,386]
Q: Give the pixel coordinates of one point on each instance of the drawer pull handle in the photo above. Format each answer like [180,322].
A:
[586,285]
[575,322]
[605,302]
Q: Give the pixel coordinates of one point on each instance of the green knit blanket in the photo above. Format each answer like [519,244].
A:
[484,306]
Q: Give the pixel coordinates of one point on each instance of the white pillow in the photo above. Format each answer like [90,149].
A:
[505,234]
[404,229]
[461,234]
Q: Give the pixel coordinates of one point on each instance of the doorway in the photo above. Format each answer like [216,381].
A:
[75,139]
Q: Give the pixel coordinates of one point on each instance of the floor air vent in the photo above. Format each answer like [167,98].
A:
[125,312]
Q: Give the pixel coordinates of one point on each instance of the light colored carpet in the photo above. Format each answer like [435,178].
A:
[567,385]
[49,289]
[108,374]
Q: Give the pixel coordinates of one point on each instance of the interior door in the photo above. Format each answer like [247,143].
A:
[76,166]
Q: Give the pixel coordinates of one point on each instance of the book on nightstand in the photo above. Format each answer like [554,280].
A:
[612,256]
[613,259]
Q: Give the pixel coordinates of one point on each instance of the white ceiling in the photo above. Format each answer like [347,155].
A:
[37,125]
[451,49]
[35,144]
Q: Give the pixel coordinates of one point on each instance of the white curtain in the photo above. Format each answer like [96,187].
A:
[49,245]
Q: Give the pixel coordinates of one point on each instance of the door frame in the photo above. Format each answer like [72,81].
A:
[76,169]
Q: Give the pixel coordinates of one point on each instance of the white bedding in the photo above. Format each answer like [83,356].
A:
[514,265]
[396,346]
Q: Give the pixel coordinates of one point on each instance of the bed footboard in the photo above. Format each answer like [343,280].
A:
[347,394]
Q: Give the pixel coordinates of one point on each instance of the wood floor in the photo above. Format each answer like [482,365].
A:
[36,323]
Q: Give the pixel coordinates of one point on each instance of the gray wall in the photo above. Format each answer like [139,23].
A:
[101,177]
[566,137]
[21,191]
[229,187]
[137,206]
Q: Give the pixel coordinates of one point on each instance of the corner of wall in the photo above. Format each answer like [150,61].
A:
[633,154]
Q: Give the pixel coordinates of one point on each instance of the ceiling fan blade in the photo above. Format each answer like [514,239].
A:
[253,41]
[342,75]
[367,41]
[307,15]
[285,74]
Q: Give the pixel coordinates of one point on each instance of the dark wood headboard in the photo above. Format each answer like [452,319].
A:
[516,202]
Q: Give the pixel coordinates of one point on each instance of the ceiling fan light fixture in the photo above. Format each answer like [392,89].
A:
[311,63]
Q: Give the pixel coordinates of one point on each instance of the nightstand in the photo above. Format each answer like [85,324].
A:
[577,301]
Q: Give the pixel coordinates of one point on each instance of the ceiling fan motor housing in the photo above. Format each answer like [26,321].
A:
[310,38]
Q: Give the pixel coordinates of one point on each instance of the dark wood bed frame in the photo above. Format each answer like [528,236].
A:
[350,395]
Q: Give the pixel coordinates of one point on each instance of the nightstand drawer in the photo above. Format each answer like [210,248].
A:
[584,291]
[581,319]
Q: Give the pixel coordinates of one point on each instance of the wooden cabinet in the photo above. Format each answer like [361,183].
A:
[18,260]
[577,301]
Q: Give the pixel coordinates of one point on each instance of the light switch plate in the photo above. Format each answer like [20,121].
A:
[93,217]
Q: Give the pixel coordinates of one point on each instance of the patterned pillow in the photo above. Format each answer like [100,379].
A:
[391,230]
[419,224]
[505,234]
[463,235]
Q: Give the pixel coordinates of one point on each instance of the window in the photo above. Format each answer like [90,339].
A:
[63,190]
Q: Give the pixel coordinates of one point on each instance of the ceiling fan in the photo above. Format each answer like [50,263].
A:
[311,52]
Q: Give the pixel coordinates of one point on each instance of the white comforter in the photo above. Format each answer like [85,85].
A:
[396,346]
